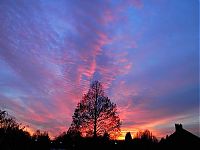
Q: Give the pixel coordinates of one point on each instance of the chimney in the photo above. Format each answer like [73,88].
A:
[178,127]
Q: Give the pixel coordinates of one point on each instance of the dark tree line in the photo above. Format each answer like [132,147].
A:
[142,140]
[13,136]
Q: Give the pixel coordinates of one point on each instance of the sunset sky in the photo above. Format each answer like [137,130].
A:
[145,53]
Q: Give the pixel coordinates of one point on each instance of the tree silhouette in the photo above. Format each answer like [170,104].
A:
[7,122]
[128,137]
[146,136]
[95,114]
[12,134]
[41,140]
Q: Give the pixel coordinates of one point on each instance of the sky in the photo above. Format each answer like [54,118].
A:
[145,53]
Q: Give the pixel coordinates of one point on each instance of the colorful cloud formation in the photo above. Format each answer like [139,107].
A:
[144,52]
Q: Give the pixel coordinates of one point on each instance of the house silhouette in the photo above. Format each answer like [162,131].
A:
[181,138]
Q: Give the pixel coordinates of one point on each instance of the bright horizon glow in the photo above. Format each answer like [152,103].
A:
[145,53]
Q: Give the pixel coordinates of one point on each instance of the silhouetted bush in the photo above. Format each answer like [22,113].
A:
[128,137]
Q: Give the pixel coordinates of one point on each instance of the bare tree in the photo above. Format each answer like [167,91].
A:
[146,136]
[95,114]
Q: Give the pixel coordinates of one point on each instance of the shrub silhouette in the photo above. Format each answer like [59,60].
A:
[128,137]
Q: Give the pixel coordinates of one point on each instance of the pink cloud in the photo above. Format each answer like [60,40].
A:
[51,55]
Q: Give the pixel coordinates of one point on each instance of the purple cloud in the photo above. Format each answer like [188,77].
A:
[143,52]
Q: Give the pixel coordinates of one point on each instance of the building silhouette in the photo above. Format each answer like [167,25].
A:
[181,138]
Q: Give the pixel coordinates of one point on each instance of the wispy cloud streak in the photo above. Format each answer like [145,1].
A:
[51,51]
